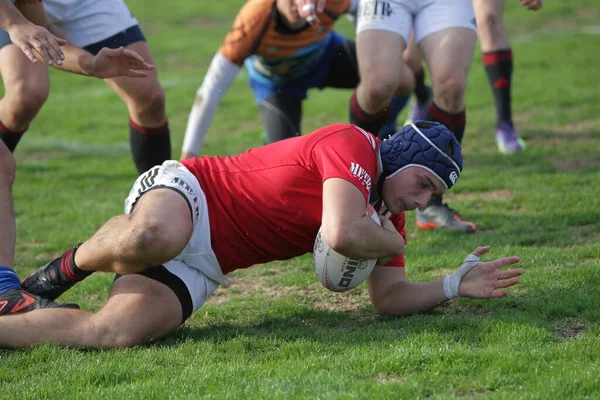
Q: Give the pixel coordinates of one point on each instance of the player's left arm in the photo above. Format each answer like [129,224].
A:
[108,63]
[392,294]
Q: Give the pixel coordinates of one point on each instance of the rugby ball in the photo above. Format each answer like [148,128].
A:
[339,273]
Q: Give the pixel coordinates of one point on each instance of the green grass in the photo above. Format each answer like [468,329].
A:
[275,332]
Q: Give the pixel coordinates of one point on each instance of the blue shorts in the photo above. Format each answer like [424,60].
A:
[125,38]
[4,38]
[314,78]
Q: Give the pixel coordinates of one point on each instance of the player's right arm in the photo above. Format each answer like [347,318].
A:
[349,231]
[240,43]
[108,63]
[28,36]
[346,157]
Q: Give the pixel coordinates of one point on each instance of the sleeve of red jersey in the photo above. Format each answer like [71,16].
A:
[399,220]
[348,153]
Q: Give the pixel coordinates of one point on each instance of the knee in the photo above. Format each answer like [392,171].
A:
[490,22]
[25,101]
[449,93]
[149,102]
[149,242]
[378,92]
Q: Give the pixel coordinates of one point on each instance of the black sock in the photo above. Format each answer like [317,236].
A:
[10,138]
[368,122]
[455,122]
[149,146]
[422,91]
[68,269]
[499,66]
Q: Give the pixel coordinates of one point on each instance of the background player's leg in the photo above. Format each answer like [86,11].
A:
[26,89]
[148,127]
[281,116]
[498,62]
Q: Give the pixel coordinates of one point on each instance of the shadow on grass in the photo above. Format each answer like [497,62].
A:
[562,313]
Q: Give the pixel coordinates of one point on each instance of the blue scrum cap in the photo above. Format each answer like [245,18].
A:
[424,144]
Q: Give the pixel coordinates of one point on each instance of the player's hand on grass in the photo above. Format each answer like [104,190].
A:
[111,63]
[308,9]
[30,37]
[533,5]
[486,279]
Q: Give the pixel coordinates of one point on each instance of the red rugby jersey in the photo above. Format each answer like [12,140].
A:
[266,203]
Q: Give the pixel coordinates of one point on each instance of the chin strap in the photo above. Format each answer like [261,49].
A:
[452,282]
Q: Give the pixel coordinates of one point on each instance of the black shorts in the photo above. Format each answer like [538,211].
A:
[173,282]
[124,38]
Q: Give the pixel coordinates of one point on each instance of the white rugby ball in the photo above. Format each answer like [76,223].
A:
[339,273]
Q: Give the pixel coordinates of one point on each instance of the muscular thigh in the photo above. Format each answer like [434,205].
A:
[138,310]
[154,302]
[133,90]
[448,54]
[20,75]
[379,54]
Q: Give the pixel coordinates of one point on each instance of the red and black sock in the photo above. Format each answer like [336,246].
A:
[149,146]
[422,91]
[10,138]
[455,122]
[68,269]
[358,116]
[499,66]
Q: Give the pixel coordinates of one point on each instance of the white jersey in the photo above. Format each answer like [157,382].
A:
[86,22]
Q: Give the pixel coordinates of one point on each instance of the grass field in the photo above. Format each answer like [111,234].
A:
[275,332]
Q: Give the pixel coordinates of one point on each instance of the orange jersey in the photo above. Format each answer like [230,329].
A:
[259,31]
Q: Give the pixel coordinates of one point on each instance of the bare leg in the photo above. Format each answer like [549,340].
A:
[149,134]
[157,230]
[7,212]
[145,98]
[383,72]
[139,309]
[448,54]
[490,28]
[26,89]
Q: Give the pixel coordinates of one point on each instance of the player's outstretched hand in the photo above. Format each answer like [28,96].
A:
[532,4]
[487,277]
[308,10]
[111,63]
[30,37]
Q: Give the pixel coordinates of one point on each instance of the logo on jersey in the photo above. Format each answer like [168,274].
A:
[360,174]
[453,177]
[373,9]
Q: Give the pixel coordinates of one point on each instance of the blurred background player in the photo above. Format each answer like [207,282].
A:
[498,62]
[18,72]
[92,25]
[444,32]
[284,56]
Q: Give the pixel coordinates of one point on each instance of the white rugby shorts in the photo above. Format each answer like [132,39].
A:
[87,22]
[197,266]
[423,16]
